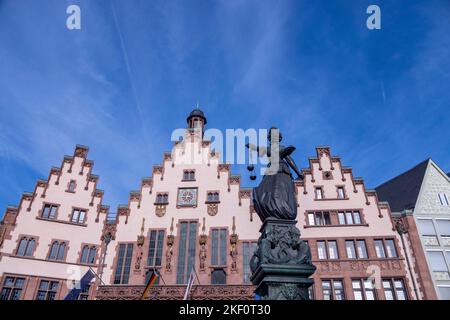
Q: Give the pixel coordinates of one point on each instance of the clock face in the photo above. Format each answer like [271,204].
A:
[187,197]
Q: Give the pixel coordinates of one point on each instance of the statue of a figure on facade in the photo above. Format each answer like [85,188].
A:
[281,264]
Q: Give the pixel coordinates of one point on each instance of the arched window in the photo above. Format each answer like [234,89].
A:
[54,251]
[84,254]
[26,247]
[72,185]
[92,252]
[61,251]
[30,247]
[88,254]
[162,198]
[188,175]
[57,251]
[22,247]
[213,197]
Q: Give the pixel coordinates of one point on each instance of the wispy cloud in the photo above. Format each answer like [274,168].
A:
[135,70]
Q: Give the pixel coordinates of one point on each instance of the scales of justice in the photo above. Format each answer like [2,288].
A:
[281,265]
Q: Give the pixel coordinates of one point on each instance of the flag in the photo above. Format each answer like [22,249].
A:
[83,285]
[189,285]
[150,279]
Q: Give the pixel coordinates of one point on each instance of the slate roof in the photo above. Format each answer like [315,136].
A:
[402,191]
[197,113]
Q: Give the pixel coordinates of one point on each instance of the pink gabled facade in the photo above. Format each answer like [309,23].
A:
[337,211]
[193,213]
[42,240]
[226,208]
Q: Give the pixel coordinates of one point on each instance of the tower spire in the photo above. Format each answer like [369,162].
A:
[196,119]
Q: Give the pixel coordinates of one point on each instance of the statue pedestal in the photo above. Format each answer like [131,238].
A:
[281,265]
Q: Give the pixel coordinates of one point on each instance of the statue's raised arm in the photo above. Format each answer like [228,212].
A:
[275,196]
[262,151]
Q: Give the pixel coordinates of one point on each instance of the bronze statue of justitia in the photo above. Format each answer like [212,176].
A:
[275,196]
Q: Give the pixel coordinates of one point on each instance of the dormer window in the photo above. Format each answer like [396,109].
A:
[49,211]
[340,192]
[71,186]
[319,193]
[162,198]
[189,175]
[443,199]
[78,216]
[212,196]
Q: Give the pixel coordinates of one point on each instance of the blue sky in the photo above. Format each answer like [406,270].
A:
[121,84]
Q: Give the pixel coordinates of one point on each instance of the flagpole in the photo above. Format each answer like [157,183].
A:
[96,275]
[159,274]
[196,275]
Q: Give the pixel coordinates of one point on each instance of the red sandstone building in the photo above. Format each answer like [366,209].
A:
[190,214]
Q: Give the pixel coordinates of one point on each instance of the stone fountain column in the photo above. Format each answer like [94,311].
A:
[281,264]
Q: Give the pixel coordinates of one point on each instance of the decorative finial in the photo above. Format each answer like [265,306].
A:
[142,227]
[234,225]
[204,225]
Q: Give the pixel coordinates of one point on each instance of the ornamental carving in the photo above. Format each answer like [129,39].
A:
[223,167]
[2,233]
[167,156]
[234,179]
[55,170]
[169,252]
[81,152]
[97,193]
[212,209]
[123,211]
[327,175]
[289,291]
[176,292]
[67,159]
[323,151]
[109,229]
[135,196]
[202,254]
[205,143]
[88,164]
[137,265]
[147,182]
[160,210]
[42,183]
[158,170]
[330,266]
[233,251]
[244,194]
[363,266]
[280,243]
[27,196]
